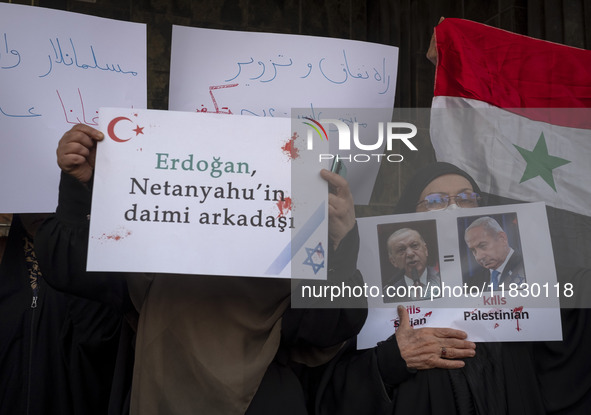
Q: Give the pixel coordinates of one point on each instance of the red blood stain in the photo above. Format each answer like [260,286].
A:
[284,206]
[319,251]
[290,149]
[518,310]
[116,236]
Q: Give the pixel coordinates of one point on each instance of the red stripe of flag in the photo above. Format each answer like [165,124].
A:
[511,71]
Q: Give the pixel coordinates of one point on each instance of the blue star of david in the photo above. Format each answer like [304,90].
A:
[310,261]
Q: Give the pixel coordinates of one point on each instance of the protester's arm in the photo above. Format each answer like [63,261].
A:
[61,242]
[318,321]
[322,321]
[368,381]
[432,52]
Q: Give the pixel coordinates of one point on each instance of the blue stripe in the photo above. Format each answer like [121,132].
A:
[297,242]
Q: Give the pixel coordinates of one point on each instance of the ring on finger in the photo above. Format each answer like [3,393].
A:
[443,352]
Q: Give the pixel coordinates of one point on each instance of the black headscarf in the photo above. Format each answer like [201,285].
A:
[422,177]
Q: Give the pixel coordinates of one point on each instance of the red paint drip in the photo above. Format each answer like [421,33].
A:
[117,236]
[290,149]
[518,310]
[284,206]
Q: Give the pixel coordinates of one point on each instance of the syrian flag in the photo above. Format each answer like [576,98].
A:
[515,113]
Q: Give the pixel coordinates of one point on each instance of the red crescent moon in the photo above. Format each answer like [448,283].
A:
[111,129]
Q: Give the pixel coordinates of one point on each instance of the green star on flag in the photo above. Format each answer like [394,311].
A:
[540,163]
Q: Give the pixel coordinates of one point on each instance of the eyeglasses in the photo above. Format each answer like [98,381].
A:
[438,201]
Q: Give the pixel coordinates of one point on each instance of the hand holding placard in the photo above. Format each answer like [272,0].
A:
[76,151]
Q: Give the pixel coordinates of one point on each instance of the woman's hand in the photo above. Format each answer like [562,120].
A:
[426,348]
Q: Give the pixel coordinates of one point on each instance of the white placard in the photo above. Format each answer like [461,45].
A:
[268,75]
[188,193]
[524,308]
[56,69]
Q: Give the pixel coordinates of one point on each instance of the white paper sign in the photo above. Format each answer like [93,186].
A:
[268,75]
[457,292]
[56,70]
[180,192]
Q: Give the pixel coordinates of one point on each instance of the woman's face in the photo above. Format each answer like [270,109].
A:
[449,184]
